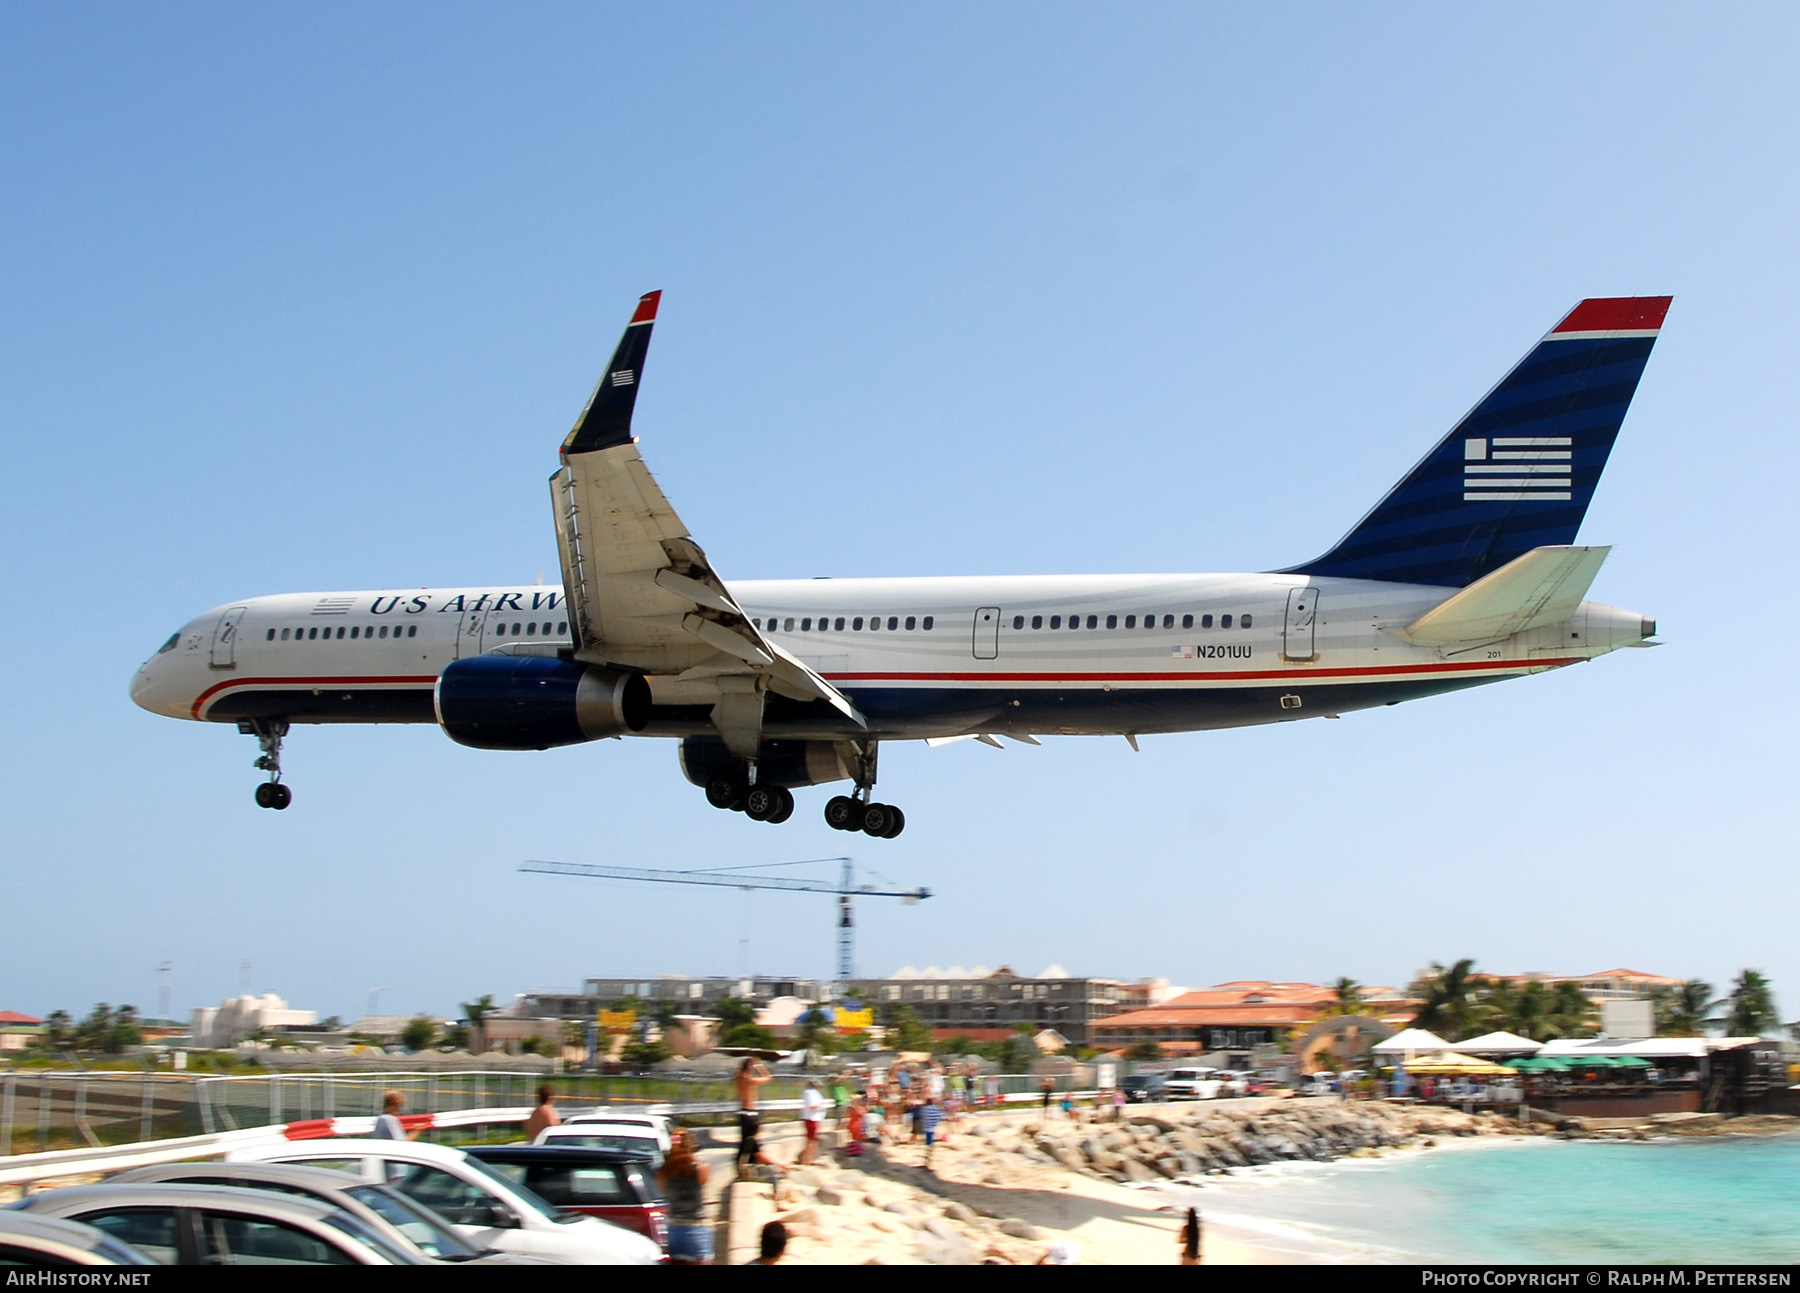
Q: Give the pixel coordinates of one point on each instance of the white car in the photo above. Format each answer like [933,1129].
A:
[657,1124]
[631,1137]
[1193,1084]
[36,1243]
[489,1210]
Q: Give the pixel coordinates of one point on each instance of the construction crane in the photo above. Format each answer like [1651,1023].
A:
[846,890]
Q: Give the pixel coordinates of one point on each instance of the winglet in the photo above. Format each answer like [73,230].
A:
[606,421]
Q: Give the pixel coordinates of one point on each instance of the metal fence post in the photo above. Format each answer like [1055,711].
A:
[274,1081]
[149,1107]
[6,1113]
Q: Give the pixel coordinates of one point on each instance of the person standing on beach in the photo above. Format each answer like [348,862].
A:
[1046,1089]
[812,1117]
[544,1115]
[683,1180]
[1191,1239]
[930,1115]
[750,1075]
[1118,1104]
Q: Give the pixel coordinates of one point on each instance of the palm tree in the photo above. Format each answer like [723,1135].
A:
[1751,1006]
[476,1012]
[1449,999]
[1682,1011]
[1571,1013]
[1347,998]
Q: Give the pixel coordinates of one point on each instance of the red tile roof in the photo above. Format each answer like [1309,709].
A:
[14,1017]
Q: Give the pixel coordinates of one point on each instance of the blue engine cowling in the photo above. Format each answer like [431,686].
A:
[778,763]
[522,702]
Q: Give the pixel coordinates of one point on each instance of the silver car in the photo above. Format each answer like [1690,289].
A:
[383,1209]
[38,1243]
[219,1225]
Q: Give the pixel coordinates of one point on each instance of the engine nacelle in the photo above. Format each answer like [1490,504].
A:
[778,763]
[523,702]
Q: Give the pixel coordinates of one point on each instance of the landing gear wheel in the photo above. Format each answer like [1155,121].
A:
[786,810]
[877,819]
[283,796]
[842,813]
[265,794]
[761,803]
[898,826]
[725,792]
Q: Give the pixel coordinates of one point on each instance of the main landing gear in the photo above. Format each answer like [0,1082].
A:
[758,803]
[268,733]
[848,813]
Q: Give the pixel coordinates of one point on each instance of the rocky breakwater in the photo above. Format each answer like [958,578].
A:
[1171,1146]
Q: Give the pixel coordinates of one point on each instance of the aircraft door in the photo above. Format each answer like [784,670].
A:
[224,643]
[469,632]
[987,633]
[1297,630]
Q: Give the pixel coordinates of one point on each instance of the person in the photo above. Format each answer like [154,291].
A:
[854,1122]
[875,1117]
[1118,1104]
[930,1115]
[840,1099]
[774,1244]
[683,1180]
[1190,1239]
[544,1115]
[388,1126]
[1046,1089]
[750,1075]
[993,1091]
[812,1117]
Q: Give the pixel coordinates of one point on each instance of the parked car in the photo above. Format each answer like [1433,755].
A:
[487,1209]
[650,1119]
[220,1225]
[1193,1084]
[47,1243]
[1142,1088]
[380,1207]
[1318,1084]
[626,1137]
[615,1186]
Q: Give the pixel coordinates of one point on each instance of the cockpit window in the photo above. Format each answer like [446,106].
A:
[170,644]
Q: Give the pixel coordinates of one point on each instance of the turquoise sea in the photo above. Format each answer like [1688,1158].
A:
[1727,1199]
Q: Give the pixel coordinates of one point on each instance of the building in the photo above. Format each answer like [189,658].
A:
[1601,986]
[691,994]
[18,1031]
[1236,1018]
[237,1018]
[984,1005]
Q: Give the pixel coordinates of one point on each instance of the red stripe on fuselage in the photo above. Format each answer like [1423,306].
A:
[428,680]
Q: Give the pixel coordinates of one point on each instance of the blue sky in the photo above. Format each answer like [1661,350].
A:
[304,298]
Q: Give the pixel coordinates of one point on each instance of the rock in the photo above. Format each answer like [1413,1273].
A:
[1136,1171]
[1018,1229]
[898,1208]
[800,1217]
[806,1176]
[940,1229]
[949,1252]
[1069,1159]
[959,1211]
[1169,1166]
[993,1178]
[1150,1120]
[828,1196]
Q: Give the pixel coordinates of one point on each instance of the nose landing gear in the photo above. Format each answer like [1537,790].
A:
[268,733]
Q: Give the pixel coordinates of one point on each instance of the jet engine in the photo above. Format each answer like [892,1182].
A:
[508,702]
[778,763]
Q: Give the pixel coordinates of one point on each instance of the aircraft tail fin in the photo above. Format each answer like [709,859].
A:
[1545,586]
[606,421]
[1519,470]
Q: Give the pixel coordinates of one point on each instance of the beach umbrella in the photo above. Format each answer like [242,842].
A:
[1630,1062]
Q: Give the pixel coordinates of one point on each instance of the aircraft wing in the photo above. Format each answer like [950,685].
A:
[642,595]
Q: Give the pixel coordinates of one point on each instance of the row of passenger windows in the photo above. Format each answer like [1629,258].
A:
[1112,621]
[856,623]
[528,630]
[356,630]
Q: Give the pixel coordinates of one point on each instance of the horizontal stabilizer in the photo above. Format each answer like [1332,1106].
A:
[1545,586]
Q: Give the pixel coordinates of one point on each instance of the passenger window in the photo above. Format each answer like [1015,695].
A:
[1093,621]
[857,624]
[1243,621]
[1056,621]
[1224,621]
[562,626]
[839,626]
[806,625]
[531,629]
[1131,621]
[412,630]
[1037,621]
[874,622]
[231,1240]
[340,633]
[789,624]
[355,629]
[271,635]
[893,623]
[460,1203]
[284,635]
[384,629]
[910,622]
[1168,621]
[926,624]
[1187,621]
[1018,621]
[149,1230]
[1112,621]
[312,633]
[1206,621]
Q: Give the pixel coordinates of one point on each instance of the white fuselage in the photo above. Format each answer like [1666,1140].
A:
[931,657]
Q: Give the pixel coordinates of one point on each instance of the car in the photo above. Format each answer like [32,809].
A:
[1142,1088]
[627,1137]
[41,1243]
[615,1186]
[382,1208]
[487,1209]
[1193,1084]
[649,1120]
[221,1225]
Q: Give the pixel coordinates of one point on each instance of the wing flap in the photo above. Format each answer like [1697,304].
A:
[1545,586]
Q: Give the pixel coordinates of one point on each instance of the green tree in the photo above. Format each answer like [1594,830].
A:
[644,1054]
[1682,1011]
[732,1012]
[124,1031]
[907,1032]
[418,1034]
[91,1033]
[1571,1013]
[1347,998]
[753,1036]
[1750,1009]
[1143,1051]
[477,1012]
[58,1028]
[817,1033]
[1449,1000]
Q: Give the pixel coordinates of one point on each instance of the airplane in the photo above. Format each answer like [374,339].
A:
[1465,572]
